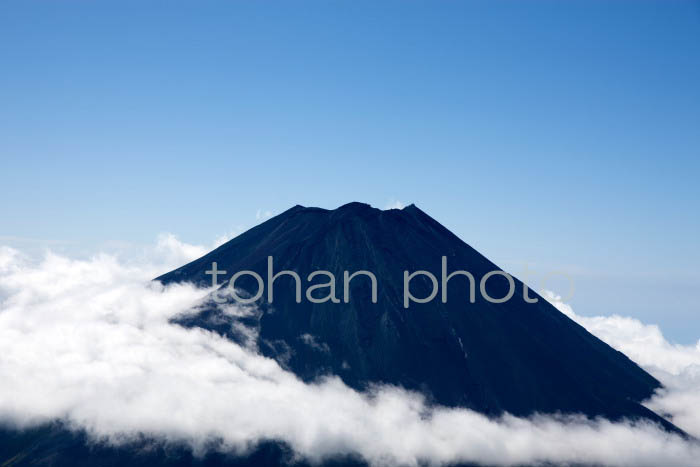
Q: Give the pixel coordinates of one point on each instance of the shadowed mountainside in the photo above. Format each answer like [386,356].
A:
[514,357]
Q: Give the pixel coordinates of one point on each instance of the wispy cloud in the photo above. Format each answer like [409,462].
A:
[394,204]
[261,215]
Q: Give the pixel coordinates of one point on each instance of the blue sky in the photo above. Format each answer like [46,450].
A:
[562,134]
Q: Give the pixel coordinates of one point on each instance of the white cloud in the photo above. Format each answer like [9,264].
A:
[170,250]
[676,366]
[643,343]
[394,204]
[312,342]
[221,239]
[261,215]
[90,342]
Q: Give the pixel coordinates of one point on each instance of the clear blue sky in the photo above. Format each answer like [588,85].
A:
[563,134]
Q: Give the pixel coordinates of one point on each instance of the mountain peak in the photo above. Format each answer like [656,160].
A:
[354,205]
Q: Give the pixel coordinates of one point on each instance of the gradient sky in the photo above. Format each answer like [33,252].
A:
[562,134]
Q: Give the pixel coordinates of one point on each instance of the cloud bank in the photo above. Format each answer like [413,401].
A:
[89,342]
[676,366]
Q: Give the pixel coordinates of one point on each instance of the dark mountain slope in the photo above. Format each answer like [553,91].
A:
[515,357]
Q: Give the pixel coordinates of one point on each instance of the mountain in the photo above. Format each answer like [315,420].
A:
[515,357]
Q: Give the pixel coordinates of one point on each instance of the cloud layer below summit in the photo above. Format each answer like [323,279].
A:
[90,342]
